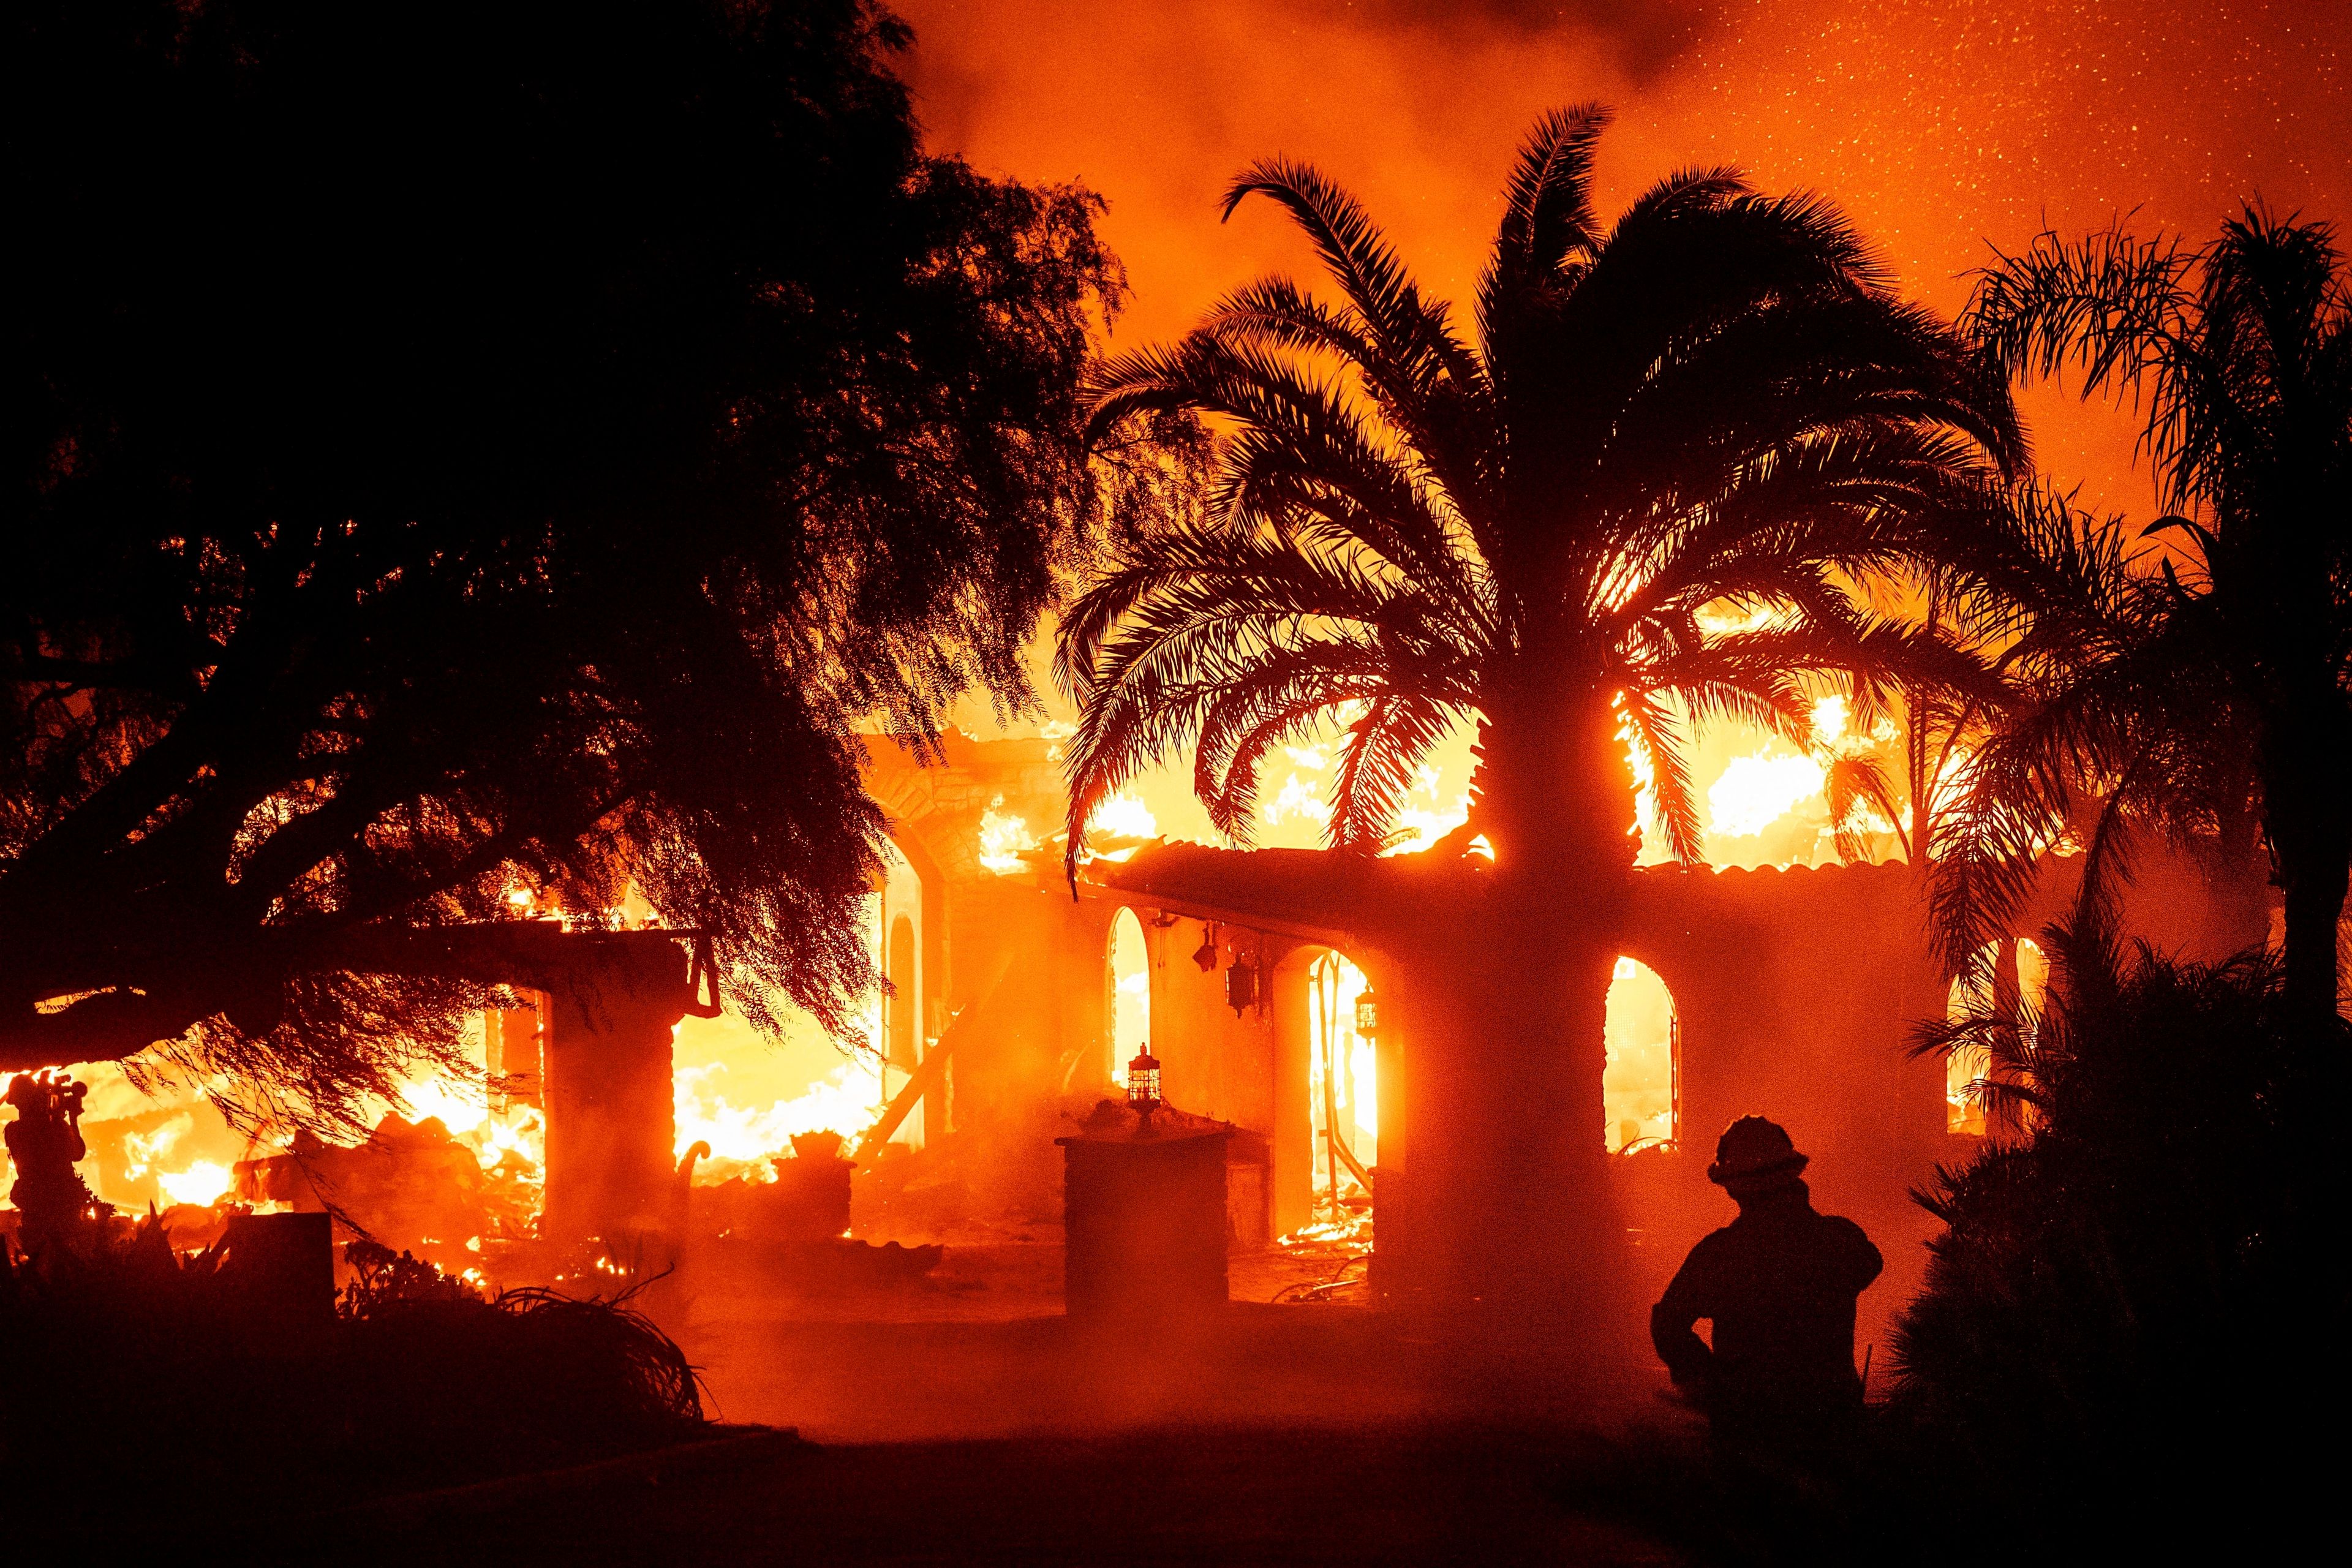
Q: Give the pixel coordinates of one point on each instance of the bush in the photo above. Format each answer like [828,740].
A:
[2138,1304]
[124,1360]
[441,1381]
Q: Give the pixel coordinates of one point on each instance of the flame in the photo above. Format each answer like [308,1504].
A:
[1832,716]
[521,1133]
[1299,797]
[1123,817]
[202,1182]
[1722,617]
[1646,777]
[1422,825]
[1638,1075]
[1335,979]
[1755,791]
[1351,1232]
[1003,837]
[847,1100]
[1967,1069]
[142,1151]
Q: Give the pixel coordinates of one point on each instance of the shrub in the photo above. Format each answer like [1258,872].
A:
[125,1358]
[2138,1303]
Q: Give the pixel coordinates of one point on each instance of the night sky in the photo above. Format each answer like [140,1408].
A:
[1941,127]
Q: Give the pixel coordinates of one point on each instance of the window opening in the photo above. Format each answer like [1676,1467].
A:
[1342,1085]
[1131,994]
[1641,1086]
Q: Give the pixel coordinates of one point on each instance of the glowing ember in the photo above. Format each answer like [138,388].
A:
[1351,1232]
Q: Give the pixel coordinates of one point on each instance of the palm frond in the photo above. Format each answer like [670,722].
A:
[1379,763]
[1658,734]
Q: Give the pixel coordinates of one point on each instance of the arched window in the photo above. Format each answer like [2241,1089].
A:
[1641,1092]
[1342,1083]
[1131,992]
[2017,968]
[894,1022]
[905,1050]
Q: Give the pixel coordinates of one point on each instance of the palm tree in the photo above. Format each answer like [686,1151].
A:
[2112,732]
[2185,692]
[1716,398]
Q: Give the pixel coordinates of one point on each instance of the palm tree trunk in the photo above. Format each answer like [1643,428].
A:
[1531,984]
[2315,864]
[2240,878]
[2306,765]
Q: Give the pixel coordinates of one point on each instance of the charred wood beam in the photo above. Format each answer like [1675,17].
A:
[1348,1158]
[928,1072]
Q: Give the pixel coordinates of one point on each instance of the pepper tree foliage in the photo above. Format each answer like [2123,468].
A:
[457,447]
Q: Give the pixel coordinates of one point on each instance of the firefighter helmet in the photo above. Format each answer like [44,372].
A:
[1752,1147]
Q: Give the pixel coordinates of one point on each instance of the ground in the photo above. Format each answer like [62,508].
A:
[1223,1495]
[967,1421]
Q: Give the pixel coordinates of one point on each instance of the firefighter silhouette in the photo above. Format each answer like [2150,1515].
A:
[1778,1284]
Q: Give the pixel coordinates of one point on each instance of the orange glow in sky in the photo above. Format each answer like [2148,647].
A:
[1940,126]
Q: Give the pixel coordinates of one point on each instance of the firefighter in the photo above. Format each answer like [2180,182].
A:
[1780,1284]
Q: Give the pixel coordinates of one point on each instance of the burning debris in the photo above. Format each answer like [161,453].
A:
[413,1182]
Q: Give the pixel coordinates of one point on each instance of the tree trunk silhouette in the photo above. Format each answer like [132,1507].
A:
[2307,757]
[1554,794]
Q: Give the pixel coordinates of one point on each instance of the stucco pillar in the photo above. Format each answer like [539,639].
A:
[611,1127]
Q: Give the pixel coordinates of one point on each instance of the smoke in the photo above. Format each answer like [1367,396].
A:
[1941,127]
[1416,106]
[1645,36]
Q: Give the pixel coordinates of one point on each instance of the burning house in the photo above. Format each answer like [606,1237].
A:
[1267,984]
[1282,991]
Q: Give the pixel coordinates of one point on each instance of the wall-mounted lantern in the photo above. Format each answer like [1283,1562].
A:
[1143,1083]
[1205,955]
[1367,1017]
[1241,986]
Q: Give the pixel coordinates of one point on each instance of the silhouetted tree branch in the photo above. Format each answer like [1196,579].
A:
[458,447]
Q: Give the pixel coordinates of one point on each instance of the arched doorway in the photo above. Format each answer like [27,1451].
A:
[1641,1087]
[1342,1089]
[2016,971]
[1130,977]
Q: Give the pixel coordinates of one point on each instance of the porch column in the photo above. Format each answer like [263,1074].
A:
[611,1128]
